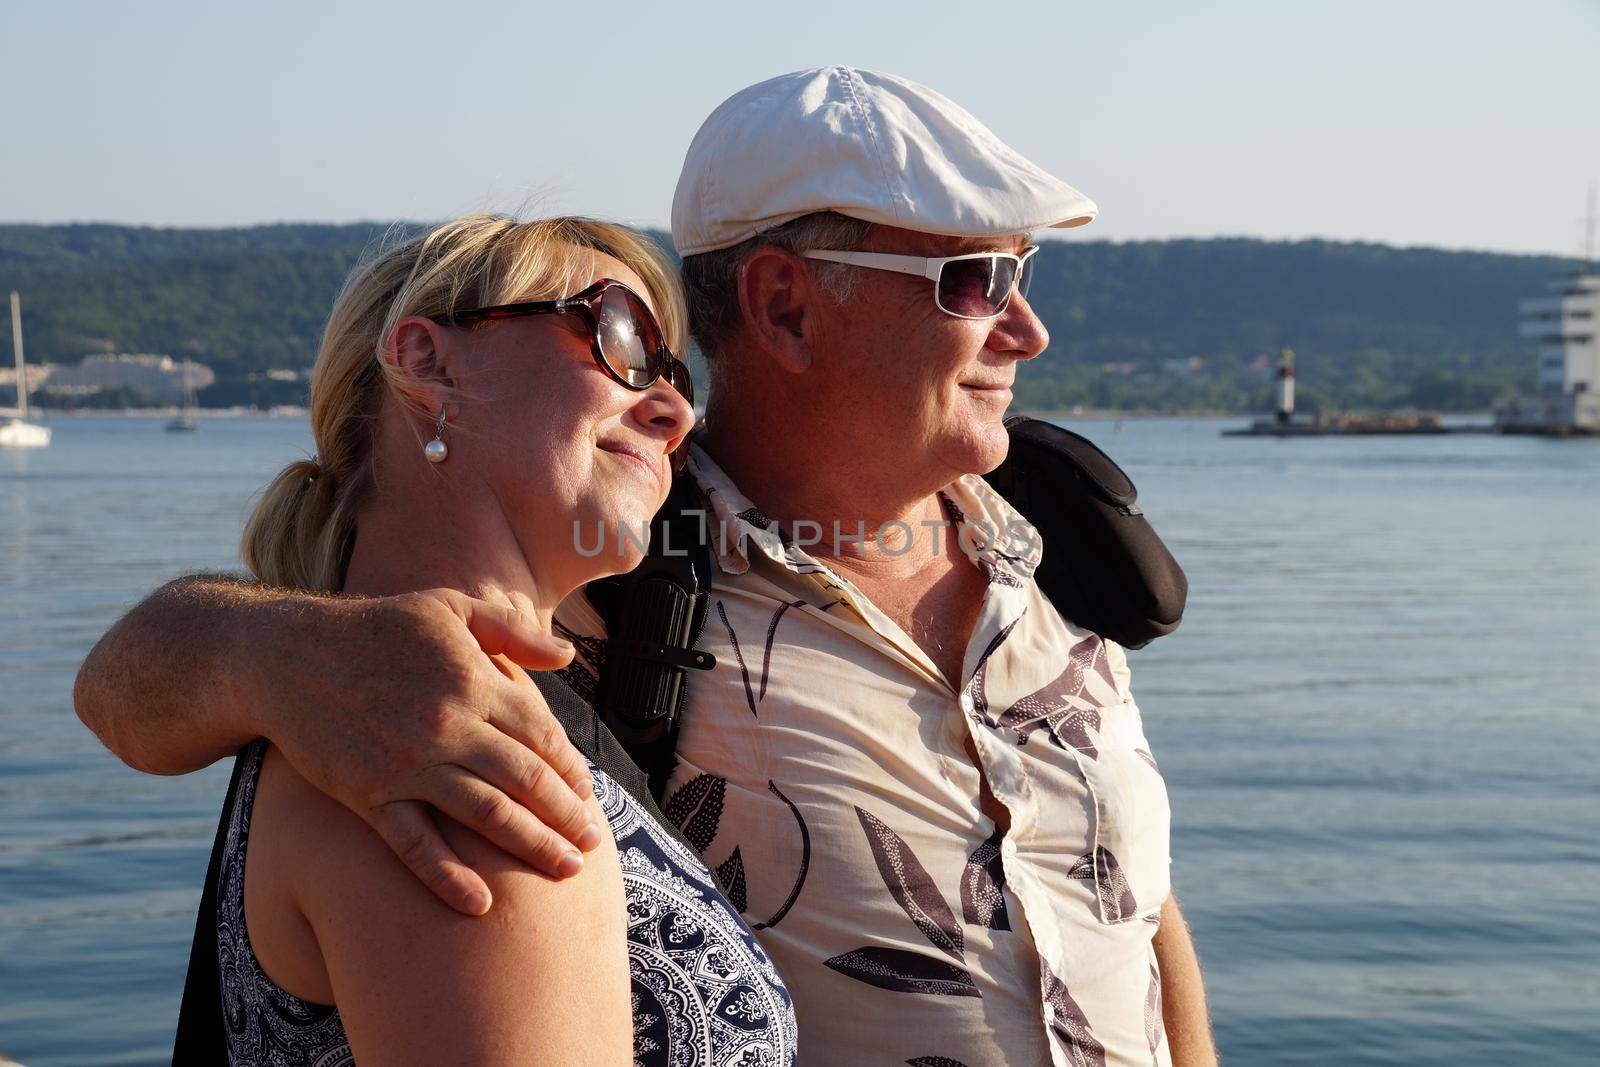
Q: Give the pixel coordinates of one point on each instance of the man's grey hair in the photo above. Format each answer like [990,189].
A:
[711,279]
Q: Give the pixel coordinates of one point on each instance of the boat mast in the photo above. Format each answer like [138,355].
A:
[1588,233]
[16,348]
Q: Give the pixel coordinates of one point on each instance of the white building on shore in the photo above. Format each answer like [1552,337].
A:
[161,377]
[1564,329]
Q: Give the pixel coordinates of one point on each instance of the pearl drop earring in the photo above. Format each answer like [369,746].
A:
[436,450]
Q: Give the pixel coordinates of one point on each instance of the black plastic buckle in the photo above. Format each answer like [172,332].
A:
[670,655]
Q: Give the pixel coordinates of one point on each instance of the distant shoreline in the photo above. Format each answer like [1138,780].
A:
[48,414]
[1106,414]
[291,412]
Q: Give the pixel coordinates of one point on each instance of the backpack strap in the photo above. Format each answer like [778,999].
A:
[1104,568]
[590,736]
[654,616]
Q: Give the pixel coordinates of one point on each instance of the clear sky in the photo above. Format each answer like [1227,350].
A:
[1457,123]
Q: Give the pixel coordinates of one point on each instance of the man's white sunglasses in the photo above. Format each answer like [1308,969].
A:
[974,286]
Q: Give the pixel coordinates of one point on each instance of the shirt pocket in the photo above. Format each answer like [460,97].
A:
[1129,863]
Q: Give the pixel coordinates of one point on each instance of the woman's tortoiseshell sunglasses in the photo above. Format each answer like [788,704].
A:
[624,338]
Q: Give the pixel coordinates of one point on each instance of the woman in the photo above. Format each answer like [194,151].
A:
[481,393]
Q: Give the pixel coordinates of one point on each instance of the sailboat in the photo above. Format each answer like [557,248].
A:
[19,432]
[185,421]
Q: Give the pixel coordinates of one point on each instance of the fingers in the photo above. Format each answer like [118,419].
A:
[479,806]
[504,631]
[409,831]
[527,719]
[510,767]
[501,630]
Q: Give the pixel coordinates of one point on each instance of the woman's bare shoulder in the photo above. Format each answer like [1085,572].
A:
[404,968]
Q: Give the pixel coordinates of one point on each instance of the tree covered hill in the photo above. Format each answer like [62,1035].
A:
[1162,325]
[1372,325]
[241,301]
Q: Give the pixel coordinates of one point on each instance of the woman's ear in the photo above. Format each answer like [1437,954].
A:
[777,303]
[418,358]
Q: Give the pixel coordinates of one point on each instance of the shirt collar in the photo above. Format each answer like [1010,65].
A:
[734,526]
[1006,546]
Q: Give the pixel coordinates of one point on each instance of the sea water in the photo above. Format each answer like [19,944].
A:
[1379,724]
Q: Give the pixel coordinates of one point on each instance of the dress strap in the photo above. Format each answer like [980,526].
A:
[591,737]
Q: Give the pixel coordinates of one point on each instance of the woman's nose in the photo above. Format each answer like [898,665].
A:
[664,412]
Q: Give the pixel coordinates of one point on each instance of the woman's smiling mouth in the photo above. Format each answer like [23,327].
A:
[651,466]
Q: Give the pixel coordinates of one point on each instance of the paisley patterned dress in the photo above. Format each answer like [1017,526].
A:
[704,993]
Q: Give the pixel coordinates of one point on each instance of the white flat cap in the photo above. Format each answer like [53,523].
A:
[869,145]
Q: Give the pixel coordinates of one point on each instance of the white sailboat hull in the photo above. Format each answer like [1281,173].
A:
[14,433]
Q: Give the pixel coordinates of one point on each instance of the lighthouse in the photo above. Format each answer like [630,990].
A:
[1285,386]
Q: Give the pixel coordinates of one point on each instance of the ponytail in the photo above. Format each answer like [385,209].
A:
[299,537]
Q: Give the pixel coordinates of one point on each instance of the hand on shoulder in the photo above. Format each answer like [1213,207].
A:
[394,706]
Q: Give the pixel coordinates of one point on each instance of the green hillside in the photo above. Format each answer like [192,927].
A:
[1156,325]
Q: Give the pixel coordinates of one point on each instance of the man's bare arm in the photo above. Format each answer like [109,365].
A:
[390,705]
[1183,992]
[157,688]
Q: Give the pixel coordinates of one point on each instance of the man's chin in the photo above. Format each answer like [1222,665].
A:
[979,449]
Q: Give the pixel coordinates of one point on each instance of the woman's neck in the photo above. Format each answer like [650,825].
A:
[476,555]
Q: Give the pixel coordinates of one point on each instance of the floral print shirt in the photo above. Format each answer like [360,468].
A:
[824,773]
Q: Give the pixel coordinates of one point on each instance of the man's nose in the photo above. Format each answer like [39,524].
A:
[1017,331]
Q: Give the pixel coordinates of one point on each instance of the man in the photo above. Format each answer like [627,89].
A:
[929,794]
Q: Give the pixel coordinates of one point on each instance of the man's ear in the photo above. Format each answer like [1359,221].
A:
[777,301]
[418,360]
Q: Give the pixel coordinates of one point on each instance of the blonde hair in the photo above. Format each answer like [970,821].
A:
[303,528]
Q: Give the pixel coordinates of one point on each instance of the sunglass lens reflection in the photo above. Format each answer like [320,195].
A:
[626,340]
[976,288]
